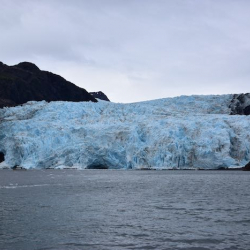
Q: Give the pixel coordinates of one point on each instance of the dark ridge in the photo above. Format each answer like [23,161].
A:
[240,104]
[26,82]
[27,66]
[100,95]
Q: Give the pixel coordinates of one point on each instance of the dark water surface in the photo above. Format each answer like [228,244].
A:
[104,209]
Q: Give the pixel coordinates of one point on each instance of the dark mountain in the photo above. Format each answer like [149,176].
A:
[26,82]
[100,95]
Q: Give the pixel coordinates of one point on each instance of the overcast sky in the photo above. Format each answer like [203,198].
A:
[133,50]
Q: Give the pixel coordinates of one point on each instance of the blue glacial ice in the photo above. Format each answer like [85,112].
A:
[186,132]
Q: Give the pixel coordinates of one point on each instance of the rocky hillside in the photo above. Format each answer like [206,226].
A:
[240,104]
[26,82]
[100,95]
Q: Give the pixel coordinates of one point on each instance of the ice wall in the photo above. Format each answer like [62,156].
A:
[182,132]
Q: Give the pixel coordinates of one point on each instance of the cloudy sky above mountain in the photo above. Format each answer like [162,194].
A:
[133,50]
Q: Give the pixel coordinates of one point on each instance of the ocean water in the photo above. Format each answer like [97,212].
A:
[105,209]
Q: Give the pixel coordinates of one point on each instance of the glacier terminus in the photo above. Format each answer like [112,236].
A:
[186,132]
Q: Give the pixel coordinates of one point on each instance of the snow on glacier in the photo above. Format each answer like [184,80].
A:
[182,132]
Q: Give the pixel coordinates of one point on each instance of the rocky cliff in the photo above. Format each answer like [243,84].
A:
[100,95]
[240,104]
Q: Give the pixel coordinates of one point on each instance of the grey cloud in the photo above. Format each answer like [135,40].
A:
[151,48]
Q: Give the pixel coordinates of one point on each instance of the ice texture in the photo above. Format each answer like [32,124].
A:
[186,132]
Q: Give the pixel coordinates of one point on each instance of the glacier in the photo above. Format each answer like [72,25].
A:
[186,132]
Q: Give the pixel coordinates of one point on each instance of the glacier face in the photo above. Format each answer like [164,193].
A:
[181,132]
